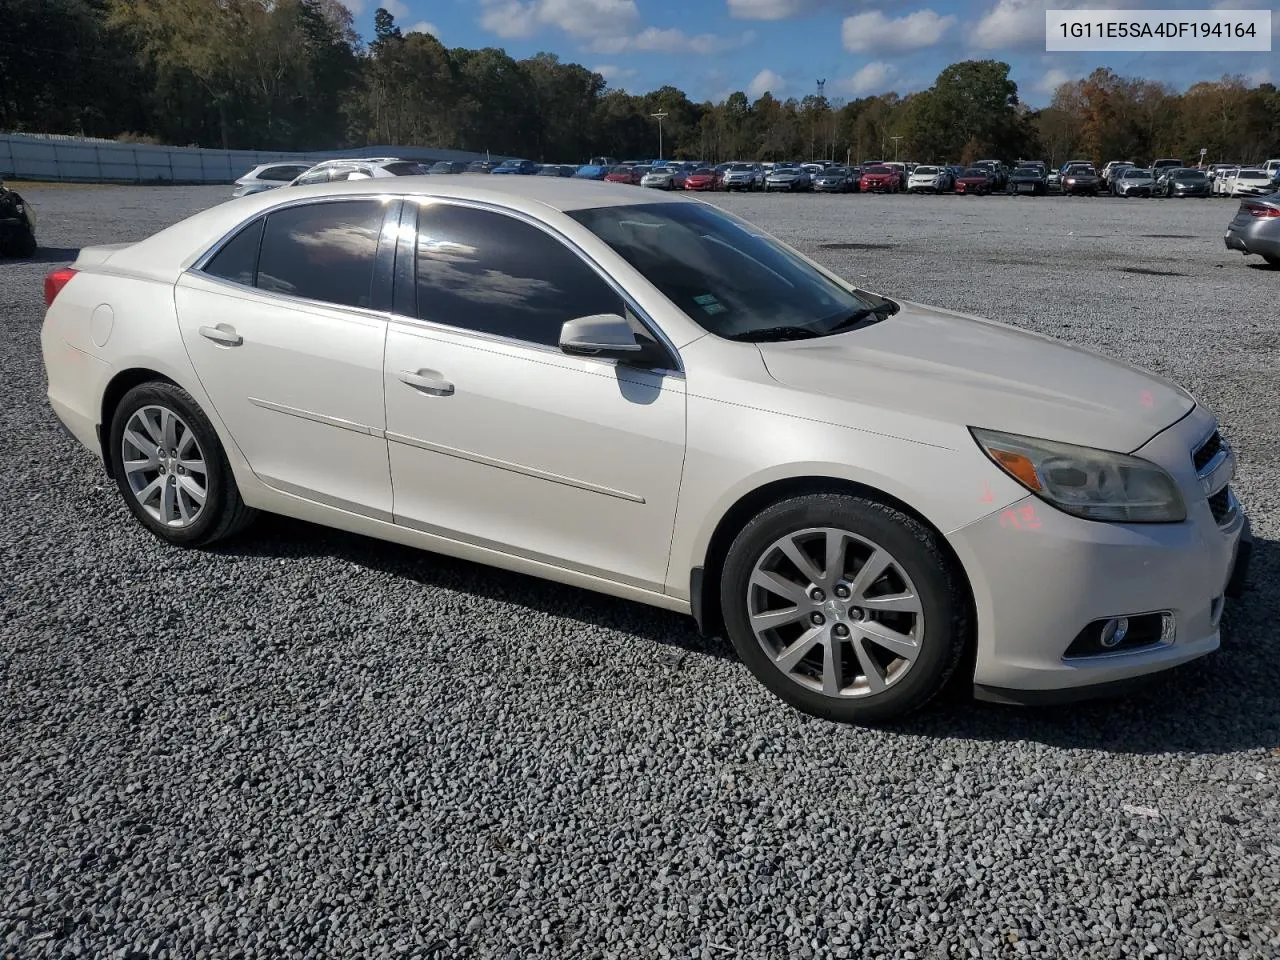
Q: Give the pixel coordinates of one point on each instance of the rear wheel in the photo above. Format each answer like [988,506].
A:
[844,607]
[171,469]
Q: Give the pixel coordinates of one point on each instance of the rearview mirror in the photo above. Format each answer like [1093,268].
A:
[600,335]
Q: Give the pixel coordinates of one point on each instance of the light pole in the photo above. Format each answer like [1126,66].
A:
[659,116]
[895,148]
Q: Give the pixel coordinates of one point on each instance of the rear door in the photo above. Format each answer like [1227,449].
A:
[284,328]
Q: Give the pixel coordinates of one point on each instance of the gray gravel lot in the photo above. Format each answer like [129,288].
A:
[309,744]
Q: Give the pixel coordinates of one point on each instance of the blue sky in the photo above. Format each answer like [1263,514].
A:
[709,48]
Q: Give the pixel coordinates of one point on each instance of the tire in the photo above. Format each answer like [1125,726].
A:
[1272,259]
[919,571]
[22,245]
[223,512]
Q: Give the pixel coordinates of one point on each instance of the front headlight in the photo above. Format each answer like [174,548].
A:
[1088,483]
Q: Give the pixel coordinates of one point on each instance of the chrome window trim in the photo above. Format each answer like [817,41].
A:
[198,265]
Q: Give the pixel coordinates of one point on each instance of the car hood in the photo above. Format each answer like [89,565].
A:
[961,369]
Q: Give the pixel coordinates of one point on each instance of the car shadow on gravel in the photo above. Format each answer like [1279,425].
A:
[51,255]
[1224,703]
[1227,702]
[282,537]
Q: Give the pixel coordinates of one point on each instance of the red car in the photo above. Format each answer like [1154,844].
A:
[704,178]
[624,174]
[879,179]
[974,180]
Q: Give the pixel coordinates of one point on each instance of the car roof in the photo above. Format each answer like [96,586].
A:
[175,248]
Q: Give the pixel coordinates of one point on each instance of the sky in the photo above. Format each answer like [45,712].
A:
[710,48]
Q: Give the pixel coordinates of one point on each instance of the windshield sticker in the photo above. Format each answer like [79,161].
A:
[710,304]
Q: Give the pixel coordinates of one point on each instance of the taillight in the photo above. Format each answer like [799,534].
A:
[54,282]
[1261,212]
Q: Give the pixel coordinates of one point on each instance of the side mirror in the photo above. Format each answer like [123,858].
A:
[601,335]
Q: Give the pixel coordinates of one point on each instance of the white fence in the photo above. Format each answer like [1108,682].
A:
[25,157]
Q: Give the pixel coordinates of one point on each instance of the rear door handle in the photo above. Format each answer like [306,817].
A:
[427,381]
[223,334]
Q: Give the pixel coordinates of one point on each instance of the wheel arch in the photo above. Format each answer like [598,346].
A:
[120,384]
[704,580]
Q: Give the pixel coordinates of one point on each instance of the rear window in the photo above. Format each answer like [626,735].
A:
[282,174]
[322,251]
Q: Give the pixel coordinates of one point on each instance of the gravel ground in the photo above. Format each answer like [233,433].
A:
[309,744]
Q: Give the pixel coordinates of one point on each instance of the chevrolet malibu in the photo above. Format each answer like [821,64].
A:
[654,399]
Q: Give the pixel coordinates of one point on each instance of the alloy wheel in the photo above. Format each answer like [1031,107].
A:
[835,612]
[164,466]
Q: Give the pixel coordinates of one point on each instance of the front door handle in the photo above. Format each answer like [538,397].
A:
[427,381]
[224,334]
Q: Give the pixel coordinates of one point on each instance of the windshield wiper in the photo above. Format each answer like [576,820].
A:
[879,311]
[774,333]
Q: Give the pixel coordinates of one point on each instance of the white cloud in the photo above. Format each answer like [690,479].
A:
[876,32]
[425,26]
[875,77]
[769,9]
[578,18]
[1020,23]
[766,81]
[613,73]
[397,8]
[656,40]
[1051,81]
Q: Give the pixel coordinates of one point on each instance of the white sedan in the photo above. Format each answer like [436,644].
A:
[1250,182]
[646,396]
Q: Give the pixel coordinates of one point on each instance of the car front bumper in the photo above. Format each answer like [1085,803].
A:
[1040,577]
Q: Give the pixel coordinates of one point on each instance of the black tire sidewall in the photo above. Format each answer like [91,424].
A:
[910,543]
[221,484]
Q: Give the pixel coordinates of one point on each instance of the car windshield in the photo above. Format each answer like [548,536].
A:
[928,171]
[703,172]
[1030,171]
[1253,175]
[975,172]
[876,169]
[741,167]
[722,272]
[621,170]
[1189,175]
[508,164]
[1137,174]
[834,172]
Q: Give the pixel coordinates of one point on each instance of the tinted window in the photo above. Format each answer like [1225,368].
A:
[491,273]
[237,261]
[719,270]
[404,169]
[315,176]
[322,251]
[282,173]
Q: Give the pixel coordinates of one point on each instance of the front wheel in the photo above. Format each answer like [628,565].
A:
[171,469]
[844,607]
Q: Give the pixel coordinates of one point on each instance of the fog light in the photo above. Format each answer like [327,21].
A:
[1113,632]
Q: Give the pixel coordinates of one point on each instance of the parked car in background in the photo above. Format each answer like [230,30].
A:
[268,176]
[670,177]
[1055,176]
[835,179]
[999,172]
[481,166]
[881,178]
[1029,179]
[1255,229]
[662,409]
[1220,178]
[788,176]
[623,173]
[357,168]
[1186,182]
[448,167]
[929,179]
[602,162]
[1250,182]
[1135,182]
[1081,180]
[702,179]
[519,168]
[1159,167]
[17,224]
[743,176]
[1112,167]
[590,171]
[900,169]
[557,170]
[974,181]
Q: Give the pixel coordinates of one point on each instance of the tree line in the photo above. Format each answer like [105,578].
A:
[295,75]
